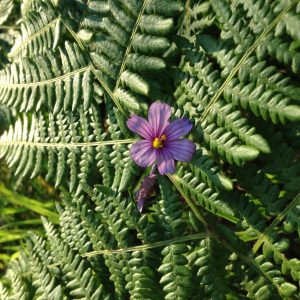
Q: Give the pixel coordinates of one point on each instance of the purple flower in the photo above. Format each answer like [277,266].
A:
[162,141]
[145,191]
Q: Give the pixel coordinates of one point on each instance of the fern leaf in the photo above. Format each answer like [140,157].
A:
[6,8]
[136,37]
[209,264]
[142,280]
[202,195]
[175,272]
[40,31]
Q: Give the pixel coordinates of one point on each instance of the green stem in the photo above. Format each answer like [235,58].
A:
[264,236]
[189,201]
[182,239]
[66,145]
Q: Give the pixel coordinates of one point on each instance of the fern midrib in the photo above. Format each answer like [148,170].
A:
[93,69]
[244,58]
[65,145]
[173,241]
[175,180]
[32,37]
[249,260]
[264,236]
[55,79]
[9,27]
[123,65]
[134,31]
[187,18]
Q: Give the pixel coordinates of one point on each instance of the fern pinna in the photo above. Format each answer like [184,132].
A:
[226,224]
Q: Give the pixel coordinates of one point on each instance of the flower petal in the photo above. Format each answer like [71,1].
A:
[158,115]
[177,129]
[140,126]
[165,161]
[140,204]
[181,149]
[143,153]
[145,191]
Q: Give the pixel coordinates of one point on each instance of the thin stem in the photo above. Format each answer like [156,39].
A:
[210,232]
[189,201]
[276,221]
[36,83]
[128,49]
[32,37]
[66,145]
[182,239]
[9,27]
[94,70]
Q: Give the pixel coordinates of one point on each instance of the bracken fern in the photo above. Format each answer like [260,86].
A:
[224,226]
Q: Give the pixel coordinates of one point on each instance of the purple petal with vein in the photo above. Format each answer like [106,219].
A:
[182,149]
[140,126]
[145,191]
[158,115]
[143,153]
[177,129]
[165,161]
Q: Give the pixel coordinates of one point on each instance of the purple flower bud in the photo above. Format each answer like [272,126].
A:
[145,191]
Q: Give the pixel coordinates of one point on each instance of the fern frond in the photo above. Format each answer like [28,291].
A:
[261,187]
[6,118]
[262,288]
[262,89]
[209,263]
[276,248]
[289,23]
[253,220]
[47,81]
[115,224]
[56,141]
[203,167]
[142,280]
[270,77]
[276,47]
[271,106]
[77,273]
[6,7]
[40,31]
[21,287]
[201,17]
[202,195]
[75,73]
[4,292]
[225,139]
[292,220]
[129,40]
[175,272]
[171,210]
[45,283]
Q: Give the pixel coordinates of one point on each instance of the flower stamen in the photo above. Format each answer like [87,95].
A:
[163,137]
[158,142]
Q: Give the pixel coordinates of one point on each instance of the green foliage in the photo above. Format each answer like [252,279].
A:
[19,214]
[225,225]
[210,260]
[6,7]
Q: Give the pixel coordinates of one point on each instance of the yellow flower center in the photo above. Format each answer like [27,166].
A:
[159,142]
